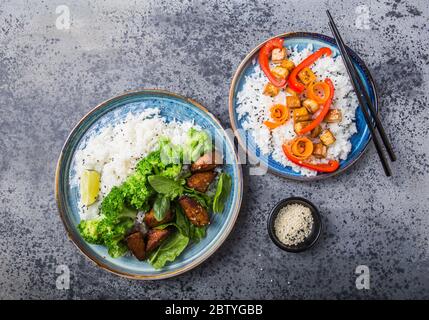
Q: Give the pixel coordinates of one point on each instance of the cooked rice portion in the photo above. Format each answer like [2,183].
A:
[115,150]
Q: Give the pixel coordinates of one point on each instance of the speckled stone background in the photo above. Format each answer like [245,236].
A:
[49,78]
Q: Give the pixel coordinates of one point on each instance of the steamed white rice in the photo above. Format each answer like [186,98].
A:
[115,150]
[253,107]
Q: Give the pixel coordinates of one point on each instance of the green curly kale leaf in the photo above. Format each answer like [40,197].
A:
[109,231]
[113,203]
[89,231]
[197,144]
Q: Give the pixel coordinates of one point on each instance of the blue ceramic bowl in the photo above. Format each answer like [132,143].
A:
[112,111]
[359,140]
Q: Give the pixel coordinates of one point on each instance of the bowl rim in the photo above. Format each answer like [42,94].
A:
[317,221]
[234,82]
[99,262]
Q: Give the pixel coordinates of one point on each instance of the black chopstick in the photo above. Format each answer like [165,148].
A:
[368,101]
[364,101]
[367,117]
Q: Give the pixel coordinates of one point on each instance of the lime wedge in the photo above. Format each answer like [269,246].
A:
[89,186]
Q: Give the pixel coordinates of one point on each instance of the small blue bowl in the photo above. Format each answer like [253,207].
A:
[359,140]
[171,107]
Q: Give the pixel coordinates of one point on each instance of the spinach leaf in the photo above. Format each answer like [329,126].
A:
[169,250]
[182,222]
[165,225]
[196,233]
[202,198]
[161,206]
[223,189]
[166,186]
[185,227]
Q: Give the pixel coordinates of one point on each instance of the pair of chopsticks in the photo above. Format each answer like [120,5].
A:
[365,102]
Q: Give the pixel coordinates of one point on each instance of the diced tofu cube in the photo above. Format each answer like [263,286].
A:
[310,105]
[290,91]
[271,90]
[293,102]
[333,116]
[327,137]
[301,114]
[320,150]
[298,126]
[315,132]
[306,76]
[277,55]
[279,72]
[288,64]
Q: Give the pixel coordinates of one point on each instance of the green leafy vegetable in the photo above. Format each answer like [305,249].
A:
[197,144]
[182,222]
[152,162]
[137,190]
[166,186]
[172,172]
[223,190]
[160,173]
[169,250]
[161,206]
[196,233]
[170,153]
[185,227]
[113,203]
[116,249]
[204,199]
[109,231]
[89,231]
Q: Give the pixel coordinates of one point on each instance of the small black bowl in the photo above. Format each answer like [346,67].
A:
[315,231]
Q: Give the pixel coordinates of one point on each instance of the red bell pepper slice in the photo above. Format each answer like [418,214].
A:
[264,60]
[322,114]
[331,166]
[293,82]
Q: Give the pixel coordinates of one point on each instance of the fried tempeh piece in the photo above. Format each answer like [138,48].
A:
[135,242]
[207,162]
[155,238]
[195,212]
[151,222]
[200,181]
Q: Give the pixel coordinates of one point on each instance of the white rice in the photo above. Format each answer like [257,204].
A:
[115,151]
[253,107]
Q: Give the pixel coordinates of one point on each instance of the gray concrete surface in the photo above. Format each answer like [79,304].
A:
[50,77]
